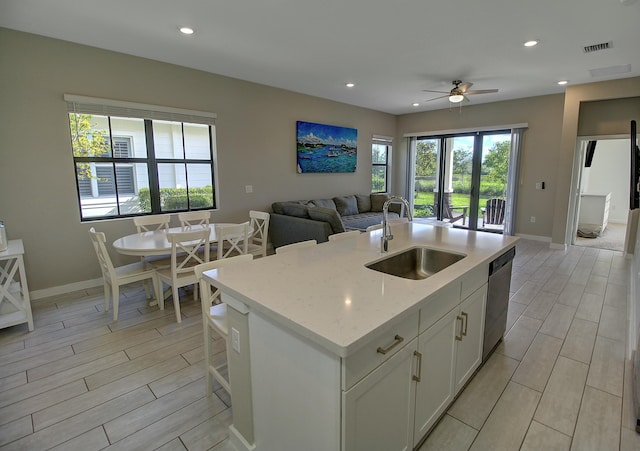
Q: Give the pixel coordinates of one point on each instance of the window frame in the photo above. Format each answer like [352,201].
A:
[126,110]
[387,142]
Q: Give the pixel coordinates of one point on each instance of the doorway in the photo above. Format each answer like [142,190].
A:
[462,179]
[601,193]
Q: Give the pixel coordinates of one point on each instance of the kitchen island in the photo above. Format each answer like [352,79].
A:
[325,353]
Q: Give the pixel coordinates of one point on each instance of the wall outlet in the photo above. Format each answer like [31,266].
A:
[533,219]
[235,340]
[248,189]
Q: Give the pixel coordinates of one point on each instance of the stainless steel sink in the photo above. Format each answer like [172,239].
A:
[416,263]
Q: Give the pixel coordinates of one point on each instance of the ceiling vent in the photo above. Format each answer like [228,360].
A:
[597,47]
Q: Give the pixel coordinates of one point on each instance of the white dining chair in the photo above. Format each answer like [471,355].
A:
[114,277]
[294,246]
[259,225]
[371,228]
[193,218]
[151,223]
[342,235]
[233,239]
[188,249]
[214,317]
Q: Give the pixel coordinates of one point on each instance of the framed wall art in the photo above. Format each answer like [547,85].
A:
[326,148]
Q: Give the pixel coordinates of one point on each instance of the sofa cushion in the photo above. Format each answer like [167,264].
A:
[363,220]
[346,205]
[295,209]
[364,203]
[324,203]
[327,215]
[378,200]
[278,207]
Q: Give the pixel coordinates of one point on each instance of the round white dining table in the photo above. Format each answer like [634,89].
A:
[145,244]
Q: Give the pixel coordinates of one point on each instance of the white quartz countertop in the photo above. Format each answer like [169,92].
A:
[326,294]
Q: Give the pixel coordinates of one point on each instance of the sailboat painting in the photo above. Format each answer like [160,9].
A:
[326,148]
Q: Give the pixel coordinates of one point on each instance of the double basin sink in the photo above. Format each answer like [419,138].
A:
[416,263]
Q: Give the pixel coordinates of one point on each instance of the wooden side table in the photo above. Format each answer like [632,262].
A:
[15,305]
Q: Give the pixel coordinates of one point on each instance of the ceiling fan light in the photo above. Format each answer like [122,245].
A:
[456,98]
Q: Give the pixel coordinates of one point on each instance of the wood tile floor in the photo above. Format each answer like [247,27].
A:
[559,381]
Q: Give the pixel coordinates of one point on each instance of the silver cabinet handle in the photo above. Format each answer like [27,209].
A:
[419,356]
[461,319]
[466,322]
[396,341]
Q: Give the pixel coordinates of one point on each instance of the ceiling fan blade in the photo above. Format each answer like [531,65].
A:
[481,91]
[439,97]
[464,86]
[441,92]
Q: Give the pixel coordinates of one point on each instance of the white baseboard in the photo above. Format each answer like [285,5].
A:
[63,289]
[534,237]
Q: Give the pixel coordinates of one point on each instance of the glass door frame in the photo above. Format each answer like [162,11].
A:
[444,151]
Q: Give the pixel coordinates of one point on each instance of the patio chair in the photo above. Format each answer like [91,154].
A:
[449,215]
[493,213]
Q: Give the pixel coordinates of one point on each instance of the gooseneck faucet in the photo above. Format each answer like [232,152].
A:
[386,235]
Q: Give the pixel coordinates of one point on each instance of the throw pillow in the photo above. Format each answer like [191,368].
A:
[364,203]
[378,200]
[346,205]
[325,203]
[327,215]
[297,210]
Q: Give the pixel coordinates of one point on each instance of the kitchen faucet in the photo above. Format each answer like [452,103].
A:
[384,241]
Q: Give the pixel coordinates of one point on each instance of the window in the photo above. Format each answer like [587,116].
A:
[380,151]
[134,159]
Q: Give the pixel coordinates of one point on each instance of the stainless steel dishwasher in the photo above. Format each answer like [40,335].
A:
[495,321]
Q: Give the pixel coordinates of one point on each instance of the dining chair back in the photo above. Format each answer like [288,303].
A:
[114,277]
[233,239]
[151,223]
[294,246]
[371,228]
[214,317]
[342,235]
[188,249]
[259,226]
[193,218]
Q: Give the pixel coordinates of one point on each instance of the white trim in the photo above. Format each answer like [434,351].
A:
[64,289]
[466,130]
[546,239]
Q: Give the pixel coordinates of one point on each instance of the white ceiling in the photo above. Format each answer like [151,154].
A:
[391,49]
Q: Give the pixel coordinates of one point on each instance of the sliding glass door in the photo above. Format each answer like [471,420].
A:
[461,179]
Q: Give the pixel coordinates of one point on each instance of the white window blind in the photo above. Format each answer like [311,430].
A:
[107,107]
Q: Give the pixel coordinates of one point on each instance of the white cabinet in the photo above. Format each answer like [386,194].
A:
[594,210]
[378,410]
[451,351]
[15,305]
[469,339]
[435,387]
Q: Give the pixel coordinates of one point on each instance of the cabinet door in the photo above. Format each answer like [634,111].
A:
[378,410]
[435,389]
[469,352]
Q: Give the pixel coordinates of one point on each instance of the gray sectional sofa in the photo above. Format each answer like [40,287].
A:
[301,220]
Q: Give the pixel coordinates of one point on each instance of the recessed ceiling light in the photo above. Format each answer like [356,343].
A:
[416,104]
[350,85]
[186,30]
[563,82]
[531,43]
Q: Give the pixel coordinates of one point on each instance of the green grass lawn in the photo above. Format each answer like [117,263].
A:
[457,200]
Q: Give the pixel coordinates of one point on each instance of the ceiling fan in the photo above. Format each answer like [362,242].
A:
[460,92]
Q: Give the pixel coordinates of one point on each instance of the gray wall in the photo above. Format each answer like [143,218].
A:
[255,140]
[539,155]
